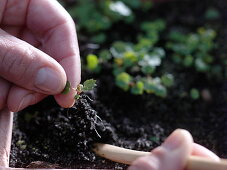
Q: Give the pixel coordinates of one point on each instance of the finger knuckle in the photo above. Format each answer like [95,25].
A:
[4,89]
[2,100]
[14,62]
[159,152]
[147,162]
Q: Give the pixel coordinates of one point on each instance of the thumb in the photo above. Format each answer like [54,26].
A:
[171,155]
[28,67]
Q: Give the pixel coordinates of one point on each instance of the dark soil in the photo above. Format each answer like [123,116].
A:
[46,135]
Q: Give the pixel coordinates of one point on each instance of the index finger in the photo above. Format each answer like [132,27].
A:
[55,29]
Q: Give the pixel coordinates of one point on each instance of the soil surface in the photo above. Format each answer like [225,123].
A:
[46,135]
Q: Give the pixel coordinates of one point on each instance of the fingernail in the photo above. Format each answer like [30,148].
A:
[174,140]
[48,80]
[26,101]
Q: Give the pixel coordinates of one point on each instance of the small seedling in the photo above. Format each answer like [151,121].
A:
[194,93]
[88,85]
[138,88]
[134,65]
[104,15]
[212,14]
[123,80]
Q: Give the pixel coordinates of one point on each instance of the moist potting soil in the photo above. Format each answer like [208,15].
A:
[46,135]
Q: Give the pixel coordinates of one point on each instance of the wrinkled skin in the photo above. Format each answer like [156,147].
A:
[36,37]
[38,53]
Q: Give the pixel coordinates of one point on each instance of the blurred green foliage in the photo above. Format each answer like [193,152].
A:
[194,93]
[212,14]
[194,49]
[144,54]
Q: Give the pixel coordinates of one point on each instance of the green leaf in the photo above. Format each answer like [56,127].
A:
[154,26]
[188,61]
[149,63]
[153,37]
[117,70]
[105,55]
[92,62]
[146,69]
[208,59]
[99,38]
[212,14]
[89,85]
[154,86]
[177,36]
[67,88]
[120,8]
[144,43]
[77,96]
[194,93]
[167,80]
[160,52]
[150,60]
[133,4]
[122,80]
[201,65]
[129,58]
[118,48]
[154,139]
[138,88]
[193,42]
[146,5]
[177,58]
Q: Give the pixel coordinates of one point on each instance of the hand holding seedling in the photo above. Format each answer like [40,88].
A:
[38,53]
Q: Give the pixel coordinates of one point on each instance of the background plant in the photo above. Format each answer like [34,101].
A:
[95,17]
[145,55]
[194,49]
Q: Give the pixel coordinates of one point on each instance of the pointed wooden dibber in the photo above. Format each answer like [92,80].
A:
[127,156]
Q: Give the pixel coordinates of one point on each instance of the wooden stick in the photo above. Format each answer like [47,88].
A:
[200,163]
[127,156]
[117,154]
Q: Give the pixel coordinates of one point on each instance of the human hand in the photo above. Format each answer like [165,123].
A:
[173,153]
[38,53]
[6,124]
